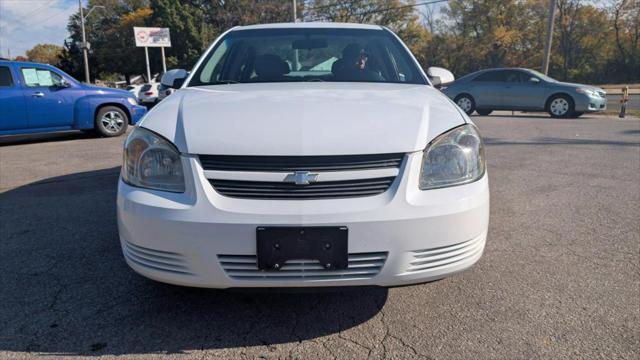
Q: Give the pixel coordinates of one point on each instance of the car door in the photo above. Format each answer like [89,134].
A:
[49,102]
[524,91]
[13,115]
[487,89]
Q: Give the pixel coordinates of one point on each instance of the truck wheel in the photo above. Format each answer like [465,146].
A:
[560,106]
[466,103]
[111,121]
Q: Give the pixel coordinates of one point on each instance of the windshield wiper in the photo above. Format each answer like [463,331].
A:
[316,79]
[221,82]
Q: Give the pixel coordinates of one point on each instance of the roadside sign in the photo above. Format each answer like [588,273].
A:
[152,37]
[147,37]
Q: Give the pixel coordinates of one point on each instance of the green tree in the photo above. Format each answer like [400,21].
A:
[45,53]
[100,26]
[399,16]
[195,24]
[583,35]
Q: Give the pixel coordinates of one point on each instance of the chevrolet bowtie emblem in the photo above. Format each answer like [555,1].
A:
[301,178]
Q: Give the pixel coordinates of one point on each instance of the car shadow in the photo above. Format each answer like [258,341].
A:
[6,140]
[68,291]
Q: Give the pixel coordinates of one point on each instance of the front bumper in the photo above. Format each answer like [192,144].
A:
[585,103]
[203,239]
[137,112]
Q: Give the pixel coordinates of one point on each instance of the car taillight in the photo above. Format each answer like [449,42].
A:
[149,93]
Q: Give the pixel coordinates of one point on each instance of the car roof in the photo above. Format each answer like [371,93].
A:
[502,68]
[475,73]
[21,63]
[310,25]
[508,68]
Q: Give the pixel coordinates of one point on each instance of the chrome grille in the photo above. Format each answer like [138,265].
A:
[319,190]
[440,257]
[361,266]
[156,259]
[301,163]
[340,176]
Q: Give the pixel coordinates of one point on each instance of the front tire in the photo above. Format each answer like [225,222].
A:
[484,112]
[560,106]
[111,121]
[466,103]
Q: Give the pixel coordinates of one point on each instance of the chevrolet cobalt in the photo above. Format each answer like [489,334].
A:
[302,155]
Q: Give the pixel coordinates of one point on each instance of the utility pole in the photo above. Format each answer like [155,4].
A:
[146,57]
[296,62]
[295,11]
[84,46]
[549,40]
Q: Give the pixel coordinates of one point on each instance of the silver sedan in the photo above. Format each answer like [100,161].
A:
[523,90]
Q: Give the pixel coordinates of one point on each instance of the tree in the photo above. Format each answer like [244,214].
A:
[399,16]
[195,24]
[45,53]
[116,52]
[105,39]
[626,24]
[583,41]
[592,43]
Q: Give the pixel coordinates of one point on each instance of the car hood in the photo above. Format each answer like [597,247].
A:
[303,118]
[575,86]
[105,90]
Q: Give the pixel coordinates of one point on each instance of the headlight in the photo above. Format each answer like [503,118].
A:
[132,101]
[152,162]
[453,158]
[587,91]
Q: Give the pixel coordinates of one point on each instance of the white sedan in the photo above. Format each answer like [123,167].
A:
[266,170]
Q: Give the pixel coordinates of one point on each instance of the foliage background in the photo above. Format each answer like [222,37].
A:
[594,41]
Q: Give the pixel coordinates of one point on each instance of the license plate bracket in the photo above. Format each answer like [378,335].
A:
[327,244]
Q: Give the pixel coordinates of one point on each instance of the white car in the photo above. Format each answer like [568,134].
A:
[263,172]
[148,93]
[134,89]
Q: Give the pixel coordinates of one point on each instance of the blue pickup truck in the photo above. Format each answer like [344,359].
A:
[38,98]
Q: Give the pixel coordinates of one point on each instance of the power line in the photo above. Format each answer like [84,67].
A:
[63,11]
[48,2]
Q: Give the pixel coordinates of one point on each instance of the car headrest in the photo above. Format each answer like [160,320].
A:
[269,65]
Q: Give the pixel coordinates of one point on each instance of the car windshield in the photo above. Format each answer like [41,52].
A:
[308,54]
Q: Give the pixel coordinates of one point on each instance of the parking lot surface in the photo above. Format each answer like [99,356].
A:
[560,277]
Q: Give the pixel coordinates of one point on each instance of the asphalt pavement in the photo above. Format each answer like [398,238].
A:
[559,279]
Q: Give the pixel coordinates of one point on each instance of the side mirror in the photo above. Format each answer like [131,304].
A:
[534,80]
[64,83]
[174,78]
[440,76]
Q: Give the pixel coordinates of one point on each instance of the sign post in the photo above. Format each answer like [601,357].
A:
[152,37]
[146,58]
[164,61]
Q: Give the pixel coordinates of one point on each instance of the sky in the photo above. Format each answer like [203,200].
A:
[25,23]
